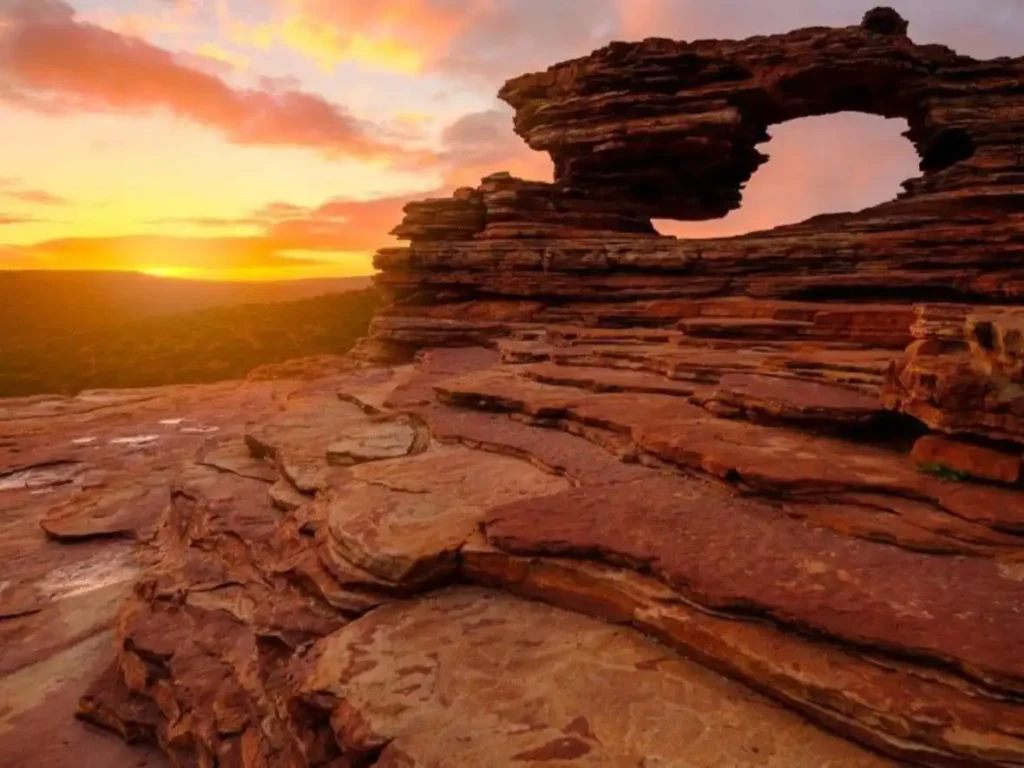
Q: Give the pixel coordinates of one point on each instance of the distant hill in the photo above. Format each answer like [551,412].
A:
[46,300]
[94,334]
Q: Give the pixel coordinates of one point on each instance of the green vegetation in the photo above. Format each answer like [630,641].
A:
[943,472]
[66,355]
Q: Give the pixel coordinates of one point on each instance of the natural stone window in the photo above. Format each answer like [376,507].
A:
[818,165]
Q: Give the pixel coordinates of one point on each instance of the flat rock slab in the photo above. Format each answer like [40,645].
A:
[372,442]
[706,362]
[471,677]
[928,719]
[298,437]
[597,379]
[771,460]
[794,400]
[436,365]
[733,554]
[970,459]
[235,458]
[371,388]
[405,520]
[560,453]
[96,467]
[112,509]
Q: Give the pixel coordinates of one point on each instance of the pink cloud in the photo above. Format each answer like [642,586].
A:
[51,60]
[340,225]
[15,189]
[337,225]
[480,143]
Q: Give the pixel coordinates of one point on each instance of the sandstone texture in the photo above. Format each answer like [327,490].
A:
[586,495]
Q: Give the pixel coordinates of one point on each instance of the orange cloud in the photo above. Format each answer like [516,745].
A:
[290,241]
[5,219]
[15,190]
[482,40]
[51,60]
[235,61]
[397,35]
[480,143]
[339,225]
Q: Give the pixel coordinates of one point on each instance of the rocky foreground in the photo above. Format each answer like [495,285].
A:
[586,495]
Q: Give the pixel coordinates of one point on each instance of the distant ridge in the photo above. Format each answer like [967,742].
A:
[203,345]
[42,299]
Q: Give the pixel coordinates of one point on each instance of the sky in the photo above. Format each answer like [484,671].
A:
[276,139]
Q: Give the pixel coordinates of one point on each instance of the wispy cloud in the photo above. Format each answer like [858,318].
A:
[15,189]
[8,220]
[288,240]
[338,225]
[483,40]
[50,60]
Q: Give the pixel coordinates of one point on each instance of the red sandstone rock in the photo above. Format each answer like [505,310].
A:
[958,387]
[849,690]
[970,459]
[766,399]
[961,613]
[684,118]
[242,576]
[472,677]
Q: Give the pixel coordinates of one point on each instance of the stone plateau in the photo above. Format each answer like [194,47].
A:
[586,495]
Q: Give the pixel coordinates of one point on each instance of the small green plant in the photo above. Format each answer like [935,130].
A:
[943,472]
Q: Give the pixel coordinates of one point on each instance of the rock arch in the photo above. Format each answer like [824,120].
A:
[666,129]
[671,129]
[828,164]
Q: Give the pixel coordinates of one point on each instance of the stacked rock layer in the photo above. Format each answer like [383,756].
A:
[607,498]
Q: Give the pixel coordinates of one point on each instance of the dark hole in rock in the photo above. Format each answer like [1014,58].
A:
[889,429]
[985,335]
[950,146]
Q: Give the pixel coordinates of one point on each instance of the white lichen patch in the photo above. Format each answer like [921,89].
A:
[135,440]
[200,430]
[114,565]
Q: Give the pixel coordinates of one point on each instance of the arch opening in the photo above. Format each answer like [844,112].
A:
[837,163]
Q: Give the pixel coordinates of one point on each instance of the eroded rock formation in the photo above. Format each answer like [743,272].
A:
[601,497]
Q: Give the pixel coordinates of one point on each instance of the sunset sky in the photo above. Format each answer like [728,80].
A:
[261,139]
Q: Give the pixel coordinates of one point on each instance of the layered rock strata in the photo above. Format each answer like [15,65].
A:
[293,609]
[662,128]
[289,612]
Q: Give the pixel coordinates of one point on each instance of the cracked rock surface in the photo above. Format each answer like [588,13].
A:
[554,572]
